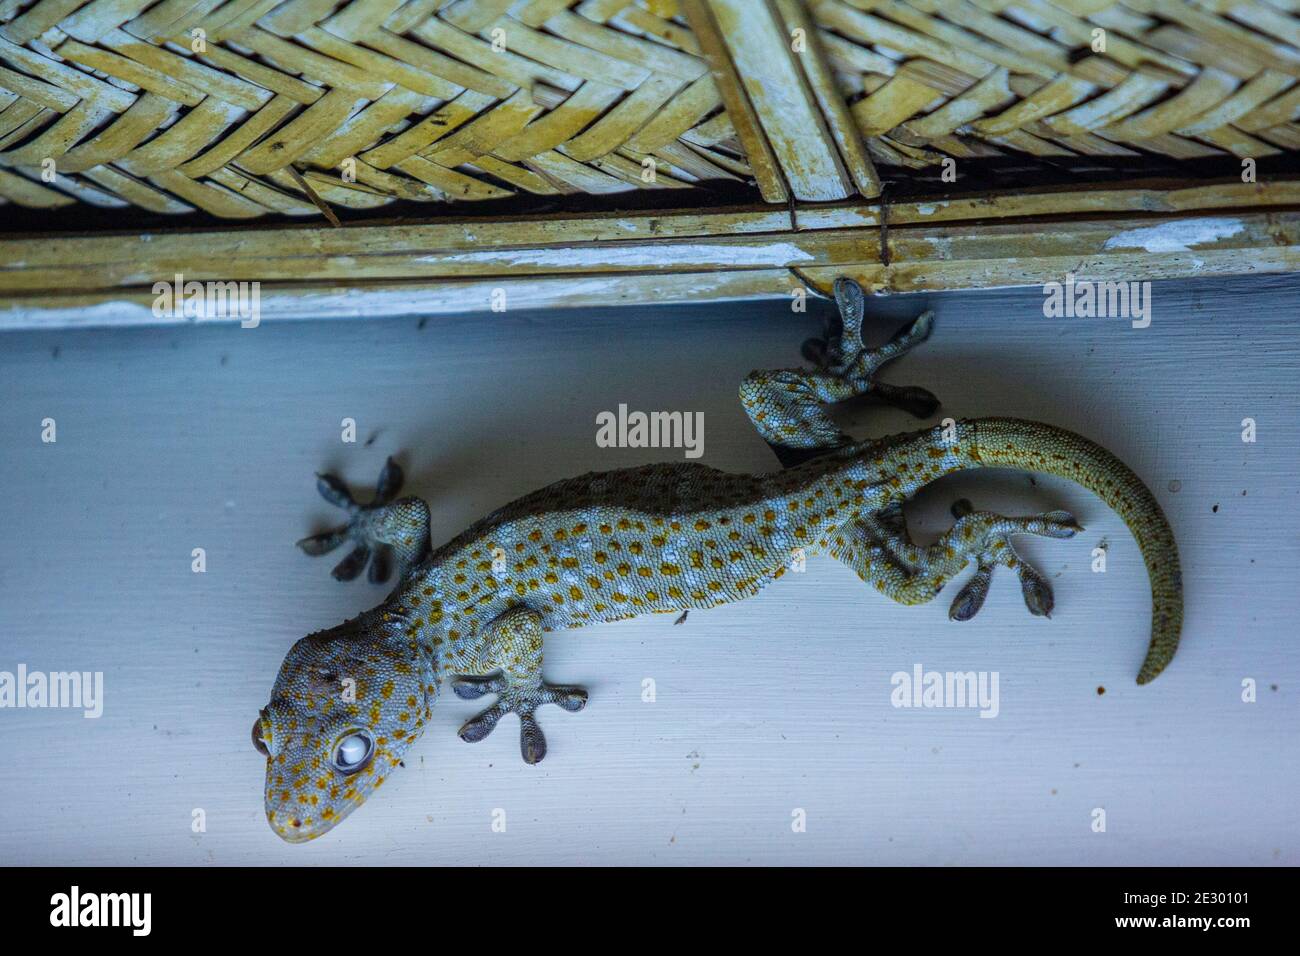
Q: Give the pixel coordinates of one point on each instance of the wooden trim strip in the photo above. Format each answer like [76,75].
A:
[1137,233]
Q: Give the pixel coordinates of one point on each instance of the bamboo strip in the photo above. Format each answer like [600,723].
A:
[1132,233]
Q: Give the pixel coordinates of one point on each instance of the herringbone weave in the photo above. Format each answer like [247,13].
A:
[184,105]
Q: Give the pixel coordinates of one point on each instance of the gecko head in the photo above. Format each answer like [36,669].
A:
[347,704]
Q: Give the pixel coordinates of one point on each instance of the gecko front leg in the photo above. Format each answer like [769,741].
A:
[382,531]
[512,665]
[786,406]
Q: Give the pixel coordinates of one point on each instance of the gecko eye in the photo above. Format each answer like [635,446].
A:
[353,751]
[258,743]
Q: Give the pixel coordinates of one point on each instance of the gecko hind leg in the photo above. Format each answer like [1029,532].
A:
[513,650]
[786,405]
[883,554]
[384,531]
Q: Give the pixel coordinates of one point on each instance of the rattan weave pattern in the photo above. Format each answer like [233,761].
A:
[184,105]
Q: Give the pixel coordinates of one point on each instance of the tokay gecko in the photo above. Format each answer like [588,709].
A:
[349,701]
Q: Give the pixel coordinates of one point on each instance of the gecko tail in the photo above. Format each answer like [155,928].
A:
[1016,443]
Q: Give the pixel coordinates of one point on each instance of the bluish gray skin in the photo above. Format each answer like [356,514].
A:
[349,702]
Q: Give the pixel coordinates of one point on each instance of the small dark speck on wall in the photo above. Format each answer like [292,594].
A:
[1100,691]
[1215,509]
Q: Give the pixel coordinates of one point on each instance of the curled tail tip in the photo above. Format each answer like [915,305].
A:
[1151,669]
[998,442]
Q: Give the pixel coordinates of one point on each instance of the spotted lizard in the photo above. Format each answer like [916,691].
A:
[350,701]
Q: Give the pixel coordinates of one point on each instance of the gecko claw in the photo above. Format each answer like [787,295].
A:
[333,490]
[477,728]
[472,688]
[390,482]
[916,401]
[815,351]
[1037,592]
[532,742]
[1055,524]
[971,597]
[325,542]
[381,564]
[918,331]
[571,698]
[352,565]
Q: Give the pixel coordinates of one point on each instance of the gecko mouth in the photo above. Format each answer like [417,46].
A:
[295,822]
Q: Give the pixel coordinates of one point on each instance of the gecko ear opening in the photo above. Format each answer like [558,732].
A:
[262,734]
[258,743]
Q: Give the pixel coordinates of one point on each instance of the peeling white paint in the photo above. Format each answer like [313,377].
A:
[1179,235]
[941,245]
[342,302]
[606,256]
[93,315]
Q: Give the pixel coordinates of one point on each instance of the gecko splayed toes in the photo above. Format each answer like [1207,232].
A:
[671,537]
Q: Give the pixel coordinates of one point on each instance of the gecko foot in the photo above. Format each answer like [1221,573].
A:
[359,529]
[843,354]
[384,531]
[519,698]
[994,549]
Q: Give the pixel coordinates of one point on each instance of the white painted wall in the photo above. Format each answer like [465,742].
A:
[171,439]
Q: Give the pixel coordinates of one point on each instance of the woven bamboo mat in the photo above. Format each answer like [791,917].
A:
[243,108]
